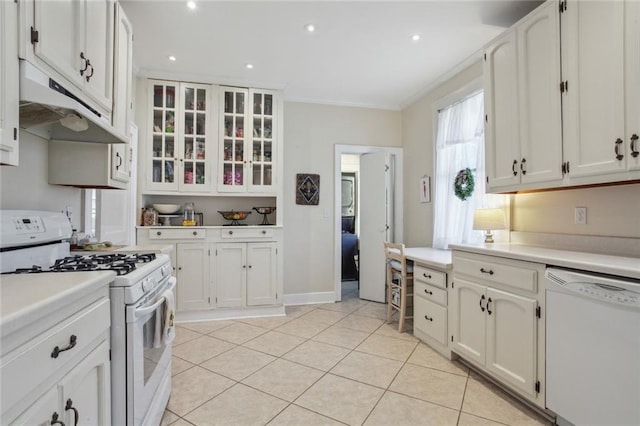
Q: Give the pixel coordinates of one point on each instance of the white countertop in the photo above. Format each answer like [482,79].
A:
[429,256]
[25,298]
[594,262]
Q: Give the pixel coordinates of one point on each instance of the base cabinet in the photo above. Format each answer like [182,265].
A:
[430,307]
[497,320]
[245,274]
[192,272]
[9,84]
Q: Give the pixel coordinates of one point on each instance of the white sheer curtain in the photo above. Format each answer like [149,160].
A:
[460,145]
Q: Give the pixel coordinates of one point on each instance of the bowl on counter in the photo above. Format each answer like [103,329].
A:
[167,208]
[265,211]
[234,216]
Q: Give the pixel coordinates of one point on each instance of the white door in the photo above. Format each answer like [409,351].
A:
[469,324]
[230,274]
[98,18]
[376,199]
[192,290]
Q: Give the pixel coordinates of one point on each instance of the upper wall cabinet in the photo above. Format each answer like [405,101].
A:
[123,72]
[75,39]
[601,67]
[248,140]
[9,83]
[522,104]
[180,145]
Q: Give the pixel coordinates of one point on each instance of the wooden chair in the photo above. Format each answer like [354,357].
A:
[399,284]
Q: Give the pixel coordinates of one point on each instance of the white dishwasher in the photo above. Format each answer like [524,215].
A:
[593,348]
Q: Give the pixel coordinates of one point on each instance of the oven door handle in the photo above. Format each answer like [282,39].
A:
[142,312]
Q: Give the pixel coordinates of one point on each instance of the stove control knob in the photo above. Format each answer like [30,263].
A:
[147,285]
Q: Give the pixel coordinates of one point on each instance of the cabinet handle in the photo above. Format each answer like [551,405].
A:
[244,266]
[426,275]
[86,63]
[72,343]
[230,232]
[513,167]
[119,160]
[249,266]
[70,406]
[195,232]
[428,318]
[264,232]
[481,307]
[523,166]
[484,271]
[634,150]
[54,419]
[619,156]
[159,233]
[179,268]
[488,303]
[430,293]
[89,75]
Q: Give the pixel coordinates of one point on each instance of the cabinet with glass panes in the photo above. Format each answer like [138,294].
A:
[248,138]
[181,137]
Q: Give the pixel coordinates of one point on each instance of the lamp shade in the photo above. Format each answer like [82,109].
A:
[487,219]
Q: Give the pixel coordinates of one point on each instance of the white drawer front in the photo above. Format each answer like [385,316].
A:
[177,234]
[431,319]
[27,366]
[515,275]
[430,292]
[429,276]
[246,233]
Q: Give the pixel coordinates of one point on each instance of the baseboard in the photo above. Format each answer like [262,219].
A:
[230,313]
[309,298]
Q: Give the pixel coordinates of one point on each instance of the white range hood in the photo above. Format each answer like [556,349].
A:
[52,111]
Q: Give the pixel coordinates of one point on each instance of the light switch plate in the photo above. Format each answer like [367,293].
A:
[581,215]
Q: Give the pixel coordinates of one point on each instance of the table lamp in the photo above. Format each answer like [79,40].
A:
[488,219]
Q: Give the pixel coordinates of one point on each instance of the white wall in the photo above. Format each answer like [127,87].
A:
[310,133]
[26,186]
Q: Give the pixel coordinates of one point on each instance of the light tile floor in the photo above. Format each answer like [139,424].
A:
[329,364]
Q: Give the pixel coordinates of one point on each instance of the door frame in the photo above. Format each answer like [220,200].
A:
[337,204]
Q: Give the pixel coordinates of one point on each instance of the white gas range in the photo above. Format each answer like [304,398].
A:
[141,300]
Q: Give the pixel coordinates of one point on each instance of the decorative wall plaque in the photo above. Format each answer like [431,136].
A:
[307,189]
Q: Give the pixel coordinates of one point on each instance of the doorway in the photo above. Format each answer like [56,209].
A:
[389,214]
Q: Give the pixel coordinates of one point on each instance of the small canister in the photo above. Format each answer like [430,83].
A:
[150,217]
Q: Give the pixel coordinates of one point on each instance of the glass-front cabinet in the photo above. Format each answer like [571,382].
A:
[248,127]
[180,137]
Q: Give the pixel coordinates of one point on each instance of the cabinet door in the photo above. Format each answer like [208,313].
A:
[123,72]
[43,412]
[233,134]
[9,97]
[593,105]
[540,108]
[121,161]
[230,274]
[192,289]
[501,108]
[195,138]
[98,39]
[162,152]
[632,82]
[469,309]
[262,140]
[261,274]
[511,339]
[61,37]
[86,390]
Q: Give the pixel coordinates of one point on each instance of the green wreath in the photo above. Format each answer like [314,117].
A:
[464,184]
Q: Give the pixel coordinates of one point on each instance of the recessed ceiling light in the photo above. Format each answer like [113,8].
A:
[310,28]
[415,37]
[191,4]
[172,58]
[249,66]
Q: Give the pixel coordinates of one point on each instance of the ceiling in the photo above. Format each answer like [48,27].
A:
[361,53]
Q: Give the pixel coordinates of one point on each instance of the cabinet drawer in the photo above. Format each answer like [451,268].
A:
[429,276]
[32,363]
[431,293]
[239,234]
[430,319]
[177,234]
[516,274]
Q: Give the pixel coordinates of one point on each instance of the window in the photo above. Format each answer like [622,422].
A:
[460,145]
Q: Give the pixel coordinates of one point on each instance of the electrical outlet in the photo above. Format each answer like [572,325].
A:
[581,215]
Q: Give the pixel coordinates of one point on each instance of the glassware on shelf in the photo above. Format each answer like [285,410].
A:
[189,215]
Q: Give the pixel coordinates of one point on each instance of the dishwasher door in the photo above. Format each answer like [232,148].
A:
[593,348]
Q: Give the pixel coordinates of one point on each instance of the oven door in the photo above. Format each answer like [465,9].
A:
[148,354]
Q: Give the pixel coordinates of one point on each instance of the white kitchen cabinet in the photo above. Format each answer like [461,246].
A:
[75,39]
[522,104]
[496,315]
[632,85]
[192,273]
[245,274]
[180,145]
[122,73]
[248,140]
[430,307]
[9,96]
